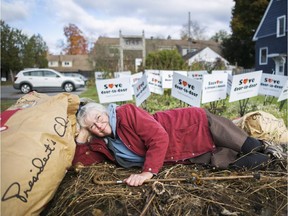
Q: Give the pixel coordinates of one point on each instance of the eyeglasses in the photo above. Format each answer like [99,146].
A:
[98,119]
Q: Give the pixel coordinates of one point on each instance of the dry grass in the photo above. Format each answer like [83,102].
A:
[79,195]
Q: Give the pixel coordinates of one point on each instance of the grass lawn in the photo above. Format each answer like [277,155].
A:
[224,108]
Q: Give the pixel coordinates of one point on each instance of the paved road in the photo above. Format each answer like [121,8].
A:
[8,92]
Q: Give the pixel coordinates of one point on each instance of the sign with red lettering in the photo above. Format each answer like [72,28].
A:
[245,86]
[141,90]
[214,87]
[186,89]
[114,90]
[155,83]
[198,75]
[272,84]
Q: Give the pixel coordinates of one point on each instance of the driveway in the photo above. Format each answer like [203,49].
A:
[8,92]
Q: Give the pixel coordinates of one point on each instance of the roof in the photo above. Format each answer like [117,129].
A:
[79,62]
[267,26]
[166,43]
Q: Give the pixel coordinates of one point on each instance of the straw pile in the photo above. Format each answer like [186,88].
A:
[79,195]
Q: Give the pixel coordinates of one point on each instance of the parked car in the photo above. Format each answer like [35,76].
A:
[85,79]
[33,79]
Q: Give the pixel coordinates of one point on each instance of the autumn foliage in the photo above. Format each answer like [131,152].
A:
[76,42]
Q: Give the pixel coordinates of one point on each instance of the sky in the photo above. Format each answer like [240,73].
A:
[157,18]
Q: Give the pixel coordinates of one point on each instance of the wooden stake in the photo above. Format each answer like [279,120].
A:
[197,179]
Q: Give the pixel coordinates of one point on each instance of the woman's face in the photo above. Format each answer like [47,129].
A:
[98,123]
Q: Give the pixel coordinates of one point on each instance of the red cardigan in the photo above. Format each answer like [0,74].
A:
[167,136]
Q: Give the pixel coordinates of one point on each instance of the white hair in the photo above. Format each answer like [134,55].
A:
[84,111]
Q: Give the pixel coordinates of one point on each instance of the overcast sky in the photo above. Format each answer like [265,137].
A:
[158,18]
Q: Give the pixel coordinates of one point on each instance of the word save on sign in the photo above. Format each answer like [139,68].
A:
[114,90]
[245,85]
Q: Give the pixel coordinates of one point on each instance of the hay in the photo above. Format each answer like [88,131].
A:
[78,195]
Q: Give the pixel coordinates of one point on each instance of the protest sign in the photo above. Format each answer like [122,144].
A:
[222,71]
[229,83]
[214,87]
[167,77]
[121,73]
[186,89]
[284,93]
[272,84]
[155,84]
[198,75]
[136,77]
[154,72]
[141,90]
[245,86]
[114,90]
[99,75]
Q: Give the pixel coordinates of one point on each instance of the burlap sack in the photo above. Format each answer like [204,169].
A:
[37,147]
[264,126]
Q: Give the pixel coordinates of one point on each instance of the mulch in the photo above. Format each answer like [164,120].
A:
[261,193]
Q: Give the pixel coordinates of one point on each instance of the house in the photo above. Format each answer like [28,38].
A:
[71,63]
[107,54]
[271,39]
[204,55]
[107,50]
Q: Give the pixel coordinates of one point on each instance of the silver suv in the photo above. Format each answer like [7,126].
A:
[33,79]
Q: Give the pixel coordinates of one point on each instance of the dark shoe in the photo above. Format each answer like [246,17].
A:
[273,150]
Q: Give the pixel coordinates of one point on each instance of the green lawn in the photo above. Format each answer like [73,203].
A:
[224,108]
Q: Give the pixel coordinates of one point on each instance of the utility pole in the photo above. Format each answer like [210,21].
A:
[189,33]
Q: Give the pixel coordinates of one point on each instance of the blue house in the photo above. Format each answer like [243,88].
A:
[271,39]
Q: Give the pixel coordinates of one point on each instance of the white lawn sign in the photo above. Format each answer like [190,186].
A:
[245,86]
[99,75]
[133,78]
[141,90]
[214,87]
[154,72]
[272,84]
[284,93]
[186,89]
[114,90]
[198,75]
[155,84]
[121,73]
[222,71]
[229,83]
[136,77]
[167,77]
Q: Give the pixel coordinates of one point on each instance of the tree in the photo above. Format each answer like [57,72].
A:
[35,52]
[165,60]
[246,16]
[196,31]
[17,50]
[76,41]
[220,36]
[12,41]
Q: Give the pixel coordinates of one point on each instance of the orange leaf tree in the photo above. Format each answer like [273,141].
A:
[76,42]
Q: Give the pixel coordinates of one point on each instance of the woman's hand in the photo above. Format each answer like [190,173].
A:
[83,135]
[138,179]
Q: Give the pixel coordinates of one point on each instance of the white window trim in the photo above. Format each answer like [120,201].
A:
[281,65]
[260,56]
[69,64]
[278,26]
[53,64]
